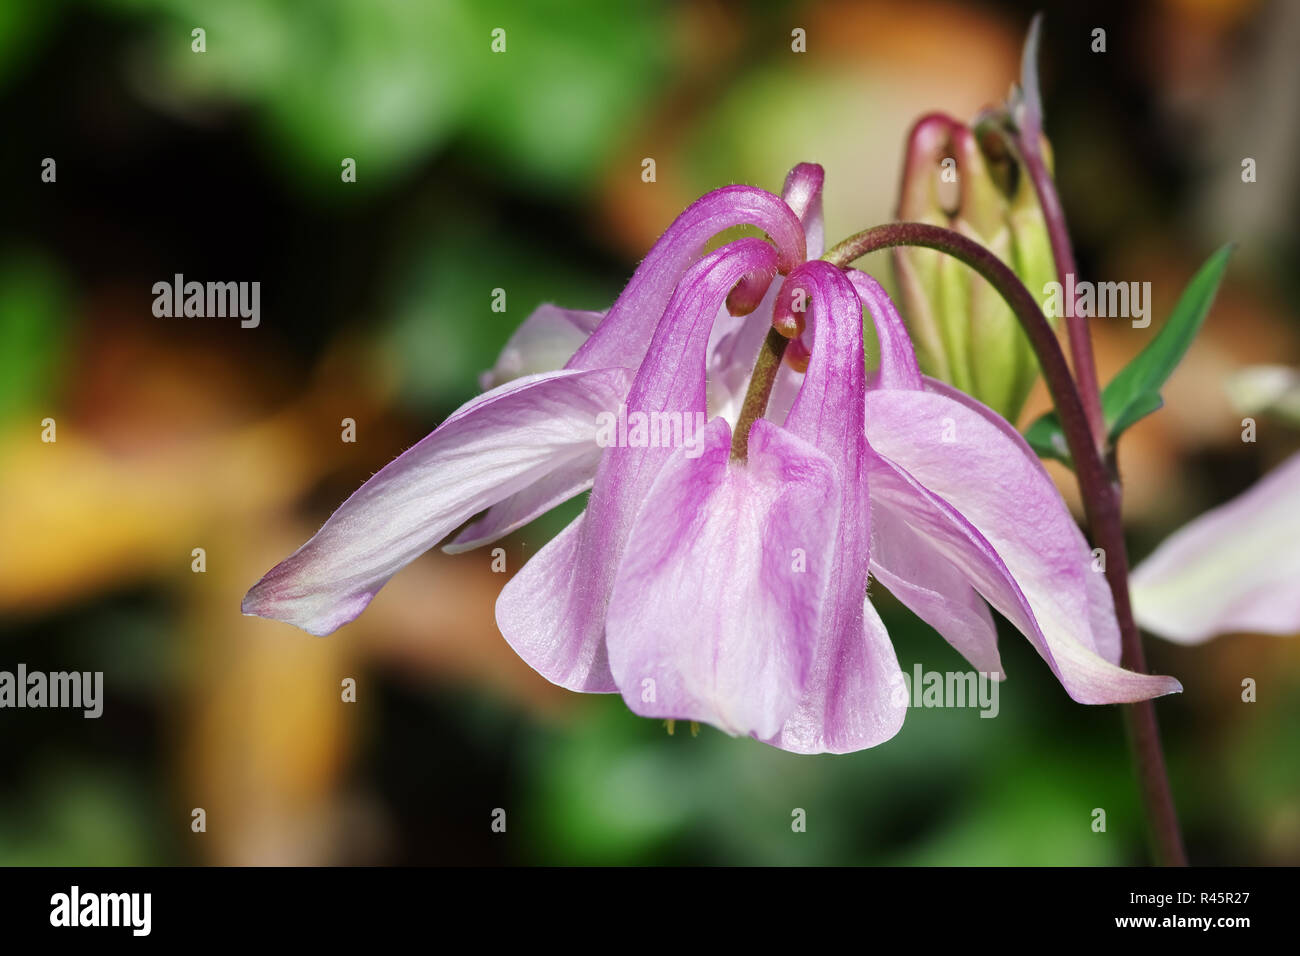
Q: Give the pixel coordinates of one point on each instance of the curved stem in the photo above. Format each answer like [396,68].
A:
[1100,497]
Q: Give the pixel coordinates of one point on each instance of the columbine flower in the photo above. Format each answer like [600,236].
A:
[963,332]
[1235,568]
[731,586]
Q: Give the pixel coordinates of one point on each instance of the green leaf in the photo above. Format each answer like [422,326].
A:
[1135,411]
[1046,438]
[1134,393]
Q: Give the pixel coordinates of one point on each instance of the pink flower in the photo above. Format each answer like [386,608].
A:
[732,589]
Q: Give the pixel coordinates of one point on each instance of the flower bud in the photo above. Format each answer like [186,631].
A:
[963,332]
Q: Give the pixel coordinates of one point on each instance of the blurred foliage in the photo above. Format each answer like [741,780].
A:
[79,816]
[952,786]
[33,319]
[443,331]
[22,27]
[387,82]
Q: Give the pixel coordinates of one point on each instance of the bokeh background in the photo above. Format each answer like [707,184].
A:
[522,171]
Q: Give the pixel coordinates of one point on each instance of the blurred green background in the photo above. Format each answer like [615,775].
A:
[522,170]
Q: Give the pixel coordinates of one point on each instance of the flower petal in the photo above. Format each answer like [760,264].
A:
[715,610]
[802,192]
[850,702]
[934,588]
[553,611]
[855,703]
[625,334]
[534,612]
[572,474]
[546,340]
[898,368]
[1235,568]
[931,586]
[488,449]
[963,479]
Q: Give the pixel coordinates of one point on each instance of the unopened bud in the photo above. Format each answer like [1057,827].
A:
[963,331]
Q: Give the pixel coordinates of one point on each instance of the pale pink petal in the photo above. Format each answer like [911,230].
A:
[963,479]
[898,368]
[571,475]
[544,342]
[717,605]
[535,613]
[856,703]
[624,333]
[490,448]
[802,192]
[553,611]
[938,591]
[1235,568]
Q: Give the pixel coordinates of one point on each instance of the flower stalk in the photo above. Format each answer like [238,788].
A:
[759,391]
[1100,496]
